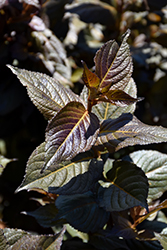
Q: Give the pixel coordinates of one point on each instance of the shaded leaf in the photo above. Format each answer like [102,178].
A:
[45,215]
[82,212]
[47,94]
[127,130]
[82,183]
[57,175]
[144,245]
[103,242]
[19,239]
[126,186]
[73,130]
[154,164]
[122,226]
[93,12]
[113,65]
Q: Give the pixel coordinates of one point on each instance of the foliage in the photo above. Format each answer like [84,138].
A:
[109,203]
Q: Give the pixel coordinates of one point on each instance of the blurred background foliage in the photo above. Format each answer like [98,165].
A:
[53,37]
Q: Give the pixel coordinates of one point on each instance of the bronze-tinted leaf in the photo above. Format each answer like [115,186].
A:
[127,130]
[90,79]
[73,130]
[105,110]
[47,94]
[114,64]
[119,98]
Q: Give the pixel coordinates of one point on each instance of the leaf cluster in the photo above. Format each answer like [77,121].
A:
[85,188]
[108,203]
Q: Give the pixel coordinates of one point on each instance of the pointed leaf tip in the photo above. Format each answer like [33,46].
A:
[45,92]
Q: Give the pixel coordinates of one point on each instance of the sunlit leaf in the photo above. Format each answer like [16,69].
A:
[18,239]
[127,130]
[154,164]
[90,79]
[162,237]
[126,186]
[73,130]
[32,2]
[3,162]
[47,94]
[57,175]
[82,212]
[3,241]
[106,110]
[119,98]
[83,182]
[113,64]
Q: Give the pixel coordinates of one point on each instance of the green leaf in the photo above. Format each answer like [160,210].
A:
[162,237]
[82,183]
[126,186]
[3,241]
[127,130]
[3,162]
[57,175]
[154,164]
[82,212]
[18,239]
[113,65]
[73,130]
[47,94]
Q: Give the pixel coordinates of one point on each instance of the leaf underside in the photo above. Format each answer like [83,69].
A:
[57,176]
[46,93]
[154,164]
[127,130]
